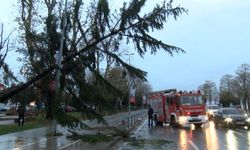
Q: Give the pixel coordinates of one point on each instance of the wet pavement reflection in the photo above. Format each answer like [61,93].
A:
[39,139]
[231,140]
[211,138]
[185,138]
[190,138]
[36,139]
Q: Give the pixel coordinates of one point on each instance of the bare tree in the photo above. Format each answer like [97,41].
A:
[209,90]
[226,83]
[6,75]
[243,80]
[228,90]
[142,89]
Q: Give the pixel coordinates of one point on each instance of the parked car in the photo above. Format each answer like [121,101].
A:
[67,108]
[211,110]
[2,109]
[11,111]
[230,117]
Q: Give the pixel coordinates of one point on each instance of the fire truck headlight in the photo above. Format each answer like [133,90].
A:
[248,119]
[228,119]
[182,120]
[210,112]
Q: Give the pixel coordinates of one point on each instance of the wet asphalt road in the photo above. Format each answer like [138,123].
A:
[143,138]
[188,138]
[38,139]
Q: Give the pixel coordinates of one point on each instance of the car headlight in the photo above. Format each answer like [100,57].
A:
[228,119]
[248,119]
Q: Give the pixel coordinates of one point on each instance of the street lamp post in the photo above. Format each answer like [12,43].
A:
[130,83]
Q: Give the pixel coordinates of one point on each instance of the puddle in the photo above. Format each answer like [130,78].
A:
[149,144]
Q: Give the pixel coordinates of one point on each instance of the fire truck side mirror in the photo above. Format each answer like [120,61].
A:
[205,100]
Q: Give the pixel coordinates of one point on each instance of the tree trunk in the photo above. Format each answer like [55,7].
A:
[49,114]
[116,105]
[247,102]
[120,102]
[246,105]
[241,104]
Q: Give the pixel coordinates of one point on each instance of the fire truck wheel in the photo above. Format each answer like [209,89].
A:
[226,125]
[173,122]
[216,124]
[197,125]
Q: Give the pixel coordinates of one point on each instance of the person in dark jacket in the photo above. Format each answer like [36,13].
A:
[21,111]
[150,116]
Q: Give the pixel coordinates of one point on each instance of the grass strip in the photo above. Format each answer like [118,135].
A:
[5,129]
[96,138]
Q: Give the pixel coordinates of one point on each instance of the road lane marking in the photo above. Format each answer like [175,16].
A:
[193,145]
[237,132]
[18,148]
[138,129]
[68,145]
[172,130]
[240,134]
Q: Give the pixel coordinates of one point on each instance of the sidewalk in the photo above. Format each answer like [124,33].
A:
[8,117]
[38,139]
[5,120]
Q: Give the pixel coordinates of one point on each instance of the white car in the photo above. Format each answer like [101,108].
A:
[211,110]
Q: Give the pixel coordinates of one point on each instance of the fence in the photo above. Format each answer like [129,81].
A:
[133,119]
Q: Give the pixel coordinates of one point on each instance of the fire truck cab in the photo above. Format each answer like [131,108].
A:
[178,108]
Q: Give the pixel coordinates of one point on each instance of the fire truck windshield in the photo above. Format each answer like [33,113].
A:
[191,100]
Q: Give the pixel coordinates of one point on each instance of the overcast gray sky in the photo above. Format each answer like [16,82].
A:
[215,35]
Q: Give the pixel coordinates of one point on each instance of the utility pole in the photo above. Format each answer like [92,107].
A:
[130,83]
[59,63]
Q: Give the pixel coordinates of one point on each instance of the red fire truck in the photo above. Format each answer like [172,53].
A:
[178,108]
